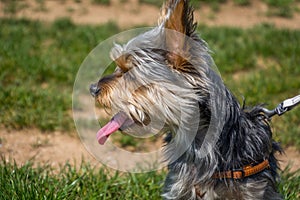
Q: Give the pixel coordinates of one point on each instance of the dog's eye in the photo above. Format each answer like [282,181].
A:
[118,71]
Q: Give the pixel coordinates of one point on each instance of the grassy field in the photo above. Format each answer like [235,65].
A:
[85,182]
[37,70]
[38,64]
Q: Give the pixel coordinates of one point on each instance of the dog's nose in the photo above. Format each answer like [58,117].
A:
[94,90]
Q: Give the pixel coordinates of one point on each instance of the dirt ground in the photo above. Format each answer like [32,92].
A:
[57,148]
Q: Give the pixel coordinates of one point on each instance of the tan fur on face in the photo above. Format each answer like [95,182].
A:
[107,85]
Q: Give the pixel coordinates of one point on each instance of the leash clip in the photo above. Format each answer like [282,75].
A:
[283,107]
[287,105]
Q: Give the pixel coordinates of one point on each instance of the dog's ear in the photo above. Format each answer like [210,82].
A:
[177,18]
[178,15]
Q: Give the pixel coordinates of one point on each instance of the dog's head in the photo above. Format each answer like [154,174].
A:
[160,79]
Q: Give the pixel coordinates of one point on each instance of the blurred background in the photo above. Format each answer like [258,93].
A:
[255,44]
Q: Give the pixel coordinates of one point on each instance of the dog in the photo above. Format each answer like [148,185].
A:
[165,81]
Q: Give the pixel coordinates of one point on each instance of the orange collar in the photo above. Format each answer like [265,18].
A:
[246,171]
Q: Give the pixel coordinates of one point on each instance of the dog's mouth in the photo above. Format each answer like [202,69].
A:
[119,122]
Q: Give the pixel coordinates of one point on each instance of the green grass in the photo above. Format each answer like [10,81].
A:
[214,4]
[38,64]
[83,182]
[103,2]
[11,7]
[282,8]
[242,2]
[87,182]
[290,184]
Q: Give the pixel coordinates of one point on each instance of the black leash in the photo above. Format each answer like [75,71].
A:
[283,107]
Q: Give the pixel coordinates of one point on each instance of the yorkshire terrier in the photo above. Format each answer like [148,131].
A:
[165,81]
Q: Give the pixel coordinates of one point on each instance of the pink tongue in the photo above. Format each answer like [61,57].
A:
[115,123]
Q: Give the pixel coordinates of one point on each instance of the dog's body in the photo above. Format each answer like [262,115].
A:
[166,75]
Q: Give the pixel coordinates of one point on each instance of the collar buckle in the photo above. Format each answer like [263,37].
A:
[237,173]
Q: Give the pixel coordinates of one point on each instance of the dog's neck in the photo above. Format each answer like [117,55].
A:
[245,139]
